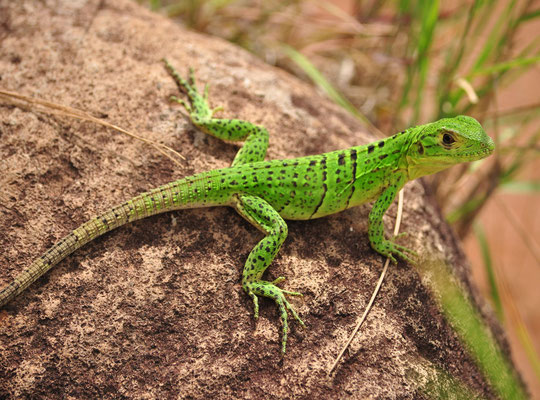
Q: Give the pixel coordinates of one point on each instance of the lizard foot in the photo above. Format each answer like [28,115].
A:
[389,248]
[270,290]
[199,101]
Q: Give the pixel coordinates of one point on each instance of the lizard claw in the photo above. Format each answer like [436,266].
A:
[389,248]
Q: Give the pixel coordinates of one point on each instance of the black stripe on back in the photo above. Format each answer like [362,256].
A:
[354,159]
[325,187]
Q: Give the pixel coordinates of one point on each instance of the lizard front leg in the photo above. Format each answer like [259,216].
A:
[263,216]
[379,243]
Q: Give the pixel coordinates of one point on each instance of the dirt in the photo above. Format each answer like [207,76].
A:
[156,309]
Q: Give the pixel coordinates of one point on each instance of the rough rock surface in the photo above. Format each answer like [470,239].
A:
[155,309]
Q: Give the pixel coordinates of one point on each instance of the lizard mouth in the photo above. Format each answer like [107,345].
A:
[484,152]
[448,160]
[473,155]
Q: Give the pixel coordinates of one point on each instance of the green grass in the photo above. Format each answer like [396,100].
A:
[492,280]
[470,327]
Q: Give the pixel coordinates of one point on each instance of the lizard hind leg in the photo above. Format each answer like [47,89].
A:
[230,130]
[263,216]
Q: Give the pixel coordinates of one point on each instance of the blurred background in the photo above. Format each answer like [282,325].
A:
[394,64]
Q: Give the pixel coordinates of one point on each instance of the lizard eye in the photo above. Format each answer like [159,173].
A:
[448,139]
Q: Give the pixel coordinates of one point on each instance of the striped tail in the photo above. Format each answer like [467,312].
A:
[191,192]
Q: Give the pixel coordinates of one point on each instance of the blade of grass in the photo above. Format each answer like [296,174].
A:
[425,14]
[453,61]
[504,78]
[505,66]
[494,48]
[429,16]
[530,15]
[488,266]
[315,75]
[58,109]
[493,40]
[377,287]
[521,186]
[533,109]
[465,209]
[528,240]
[519,158]
[404,11]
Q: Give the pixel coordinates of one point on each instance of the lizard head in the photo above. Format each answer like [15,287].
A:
[446,142]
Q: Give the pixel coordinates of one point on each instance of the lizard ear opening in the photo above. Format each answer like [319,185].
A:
[420,149]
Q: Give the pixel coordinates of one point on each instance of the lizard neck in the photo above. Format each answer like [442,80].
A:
[411,160]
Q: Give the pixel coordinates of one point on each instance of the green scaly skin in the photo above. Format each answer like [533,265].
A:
[267,192]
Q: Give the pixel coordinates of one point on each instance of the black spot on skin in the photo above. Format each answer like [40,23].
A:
[341,159]
[383,156]
[313,162]
[381,144]
[370,148]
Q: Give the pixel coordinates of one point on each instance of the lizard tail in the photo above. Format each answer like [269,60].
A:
[192,192]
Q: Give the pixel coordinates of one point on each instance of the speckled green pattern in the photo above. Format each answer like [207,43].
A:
[267,192]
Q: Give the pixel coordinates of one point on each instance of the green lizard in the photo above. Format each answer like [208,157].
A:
[267,192]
